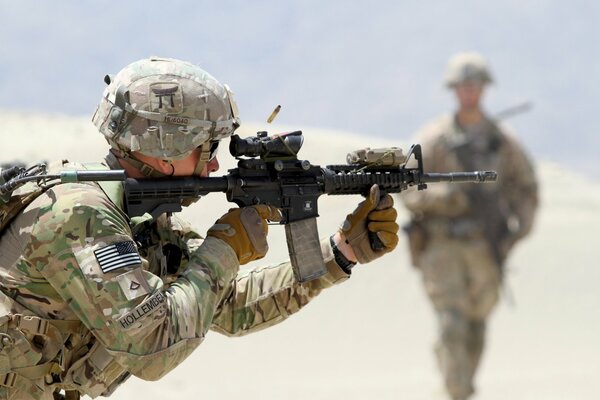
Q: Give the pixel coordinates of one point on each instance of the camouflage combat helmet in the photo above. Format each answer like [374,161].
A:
[464,67]
[164,108]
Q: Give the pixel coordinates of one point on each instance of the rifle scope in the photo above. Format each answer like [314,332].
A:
[263,146]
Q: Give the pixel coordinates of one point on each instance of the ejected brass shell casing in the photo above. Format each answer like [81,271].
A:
[274,114]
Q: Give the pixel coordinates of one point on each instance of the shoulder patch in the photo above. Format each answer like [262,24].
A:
[117,255]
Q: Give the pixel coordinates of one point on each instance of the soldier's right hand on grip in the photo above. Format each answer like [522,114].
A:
[373,215]
[245,230]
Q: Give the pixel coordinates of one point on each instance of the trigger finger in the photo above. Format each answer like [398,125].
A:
[269,213]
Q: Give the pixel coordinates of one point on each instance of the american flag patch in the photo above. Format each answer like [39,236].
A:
[117,255]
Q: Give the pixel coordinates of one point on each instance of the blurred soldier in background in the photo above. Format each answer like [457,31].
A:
[460,235]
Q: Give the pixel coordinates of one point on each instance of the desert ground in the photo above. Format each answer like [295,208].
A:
[372,337]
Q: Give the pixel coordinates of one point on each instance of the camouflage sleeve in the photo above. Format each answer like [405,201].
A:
[521,187]
[82,245]
[265,296]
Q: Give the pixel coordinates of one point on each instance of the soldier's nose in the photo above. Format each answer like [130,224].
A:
[213,165]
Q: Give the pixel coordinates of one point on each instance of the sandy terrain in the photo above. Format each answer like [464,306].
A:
[372,336]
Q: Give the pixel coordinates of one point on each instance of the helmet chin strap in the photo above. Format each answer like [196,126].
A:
[202,162]
[145,169]
[204,158]
[149,171]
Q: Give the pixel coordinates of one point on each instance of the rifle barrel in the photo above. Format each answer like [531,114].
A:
[476,176]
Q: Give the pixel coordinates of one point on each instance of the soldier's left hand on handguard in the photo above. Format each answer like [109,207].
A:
[373,219]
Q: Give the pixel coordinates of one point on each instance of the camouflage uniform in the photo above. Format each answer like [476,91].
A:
[89,296]
[467,231]
[91,325]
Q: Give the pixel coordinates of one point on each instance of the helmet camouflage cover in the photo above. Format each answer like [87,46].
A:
[164,108]
[464,67]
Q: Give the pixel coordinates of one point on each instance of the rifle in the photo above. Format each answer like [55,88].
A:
[511,111]
[270,172]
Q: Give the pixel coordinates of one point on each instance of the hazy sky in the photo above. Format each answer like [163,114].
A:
[368,67]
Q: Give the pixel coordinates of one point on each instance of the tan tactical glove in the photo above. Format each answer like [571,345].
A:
[245,230]
[374,215]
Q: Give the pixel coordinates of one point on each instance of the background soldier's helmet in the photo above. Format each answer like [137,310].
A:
[464,67]
[165,108]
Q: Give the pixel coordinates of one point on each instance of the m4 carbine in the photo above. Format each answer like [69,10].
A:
[270,172]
